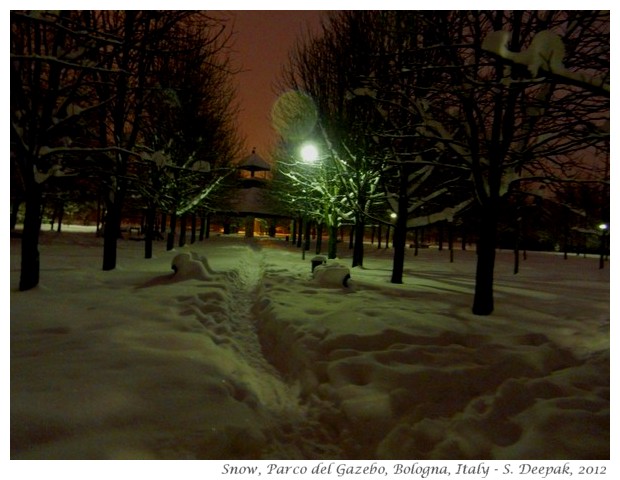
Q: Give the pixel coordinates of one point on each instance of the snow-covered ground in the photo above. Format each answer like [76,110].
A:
[241,354]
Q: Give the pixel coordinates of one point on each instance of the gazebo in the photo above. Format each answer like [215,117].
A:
[254,163]
[249,199]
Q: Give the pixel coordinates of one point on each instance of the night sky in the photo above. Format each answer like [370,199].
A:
[263,39]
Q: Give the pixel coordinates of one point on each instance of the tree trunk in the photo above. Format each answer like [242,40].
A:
[100,215]
[399,240]
[111,232]
[515,268]
[319,237]
[163,223]
[464,237]
[201,231]
[183,230]
[601,261]
[332,243]
[307,236]
[451,241]
[400,227]
[358,244]
[149,230]
[60,214]
[30,258]
[299,232]
[171,232]
[483,297]
[15,211]
[440,236]
[193,235]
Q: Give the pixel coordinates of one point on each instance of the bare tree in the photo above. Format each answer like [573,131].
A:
[51,97]
[509,122]
[191,112]
[422,184]
[361,71]
[83,90]
[324,67]
[505,100]
[523,123]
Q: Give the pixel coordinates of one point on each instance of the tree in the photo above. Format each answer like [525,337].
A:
[526,124]
[83,86]
[323,68]
[504,122]
[422,184]
[51,96]
[360,71]
[194,137]
[453,105]
[308,191]
[143,36]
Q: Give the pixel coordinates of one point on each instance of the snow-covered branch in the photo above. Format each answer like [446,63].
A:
[77,66]
[447,213]
[49,151]
[54,171]
[204,193]
[546,52]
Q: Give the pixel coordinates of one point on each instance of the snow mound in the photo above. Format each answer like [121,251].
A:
[191,266]
[332,275]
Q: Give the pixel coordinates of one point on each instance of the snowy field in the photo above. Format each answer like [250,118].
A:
[245,356]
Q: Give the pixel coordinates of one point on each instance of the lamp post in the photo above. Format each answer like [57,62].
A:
[603,227]
[309,154]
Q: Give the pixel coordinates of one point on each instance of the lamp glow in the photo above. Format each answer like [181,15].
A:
[309,153]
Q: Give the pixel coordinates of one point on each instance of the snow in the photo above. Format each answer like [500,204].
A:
[332,274]
[243,354]
[545,52]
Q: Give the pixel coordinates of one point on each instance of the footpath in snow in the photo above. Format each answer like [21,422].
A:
[244,355]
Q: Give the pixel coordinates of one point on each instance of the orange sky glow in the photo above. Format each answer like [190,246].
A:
[262,41]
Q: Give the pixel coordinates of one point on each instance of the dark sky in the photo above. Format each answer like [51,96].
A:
[263,39]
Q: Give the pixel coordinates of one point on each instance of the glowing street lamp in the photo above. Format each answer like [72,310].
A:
[603,228]
[309,153]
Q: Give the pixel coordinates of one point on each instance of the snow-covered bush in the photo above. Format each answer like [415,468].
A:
[332,275]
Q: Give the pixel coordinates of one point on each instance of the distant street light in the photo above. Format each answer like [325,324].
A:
[309,153]
[603,228]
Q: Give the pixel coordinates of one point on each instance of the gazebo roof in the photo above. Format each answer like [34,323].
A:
[254,163]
